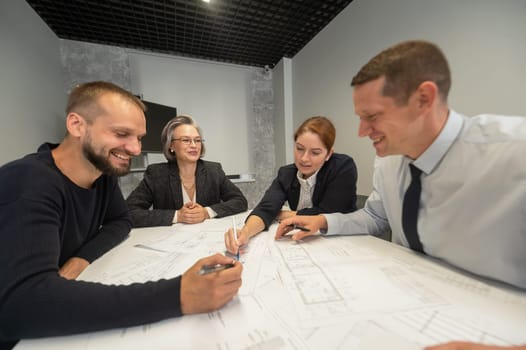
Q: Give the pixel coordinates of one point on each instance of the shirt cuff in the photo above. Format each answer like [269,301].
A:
[174,220]
[211,212]
[333,225]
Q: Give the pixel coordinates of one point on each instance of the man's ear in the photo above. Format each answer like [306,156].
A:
[75,124]
[427,93]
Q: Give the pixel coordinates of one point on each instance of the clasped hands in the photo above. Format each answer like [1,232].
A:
[192,213]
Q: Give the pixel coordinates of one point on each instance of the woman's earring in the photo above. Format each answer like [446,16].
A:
[171,150]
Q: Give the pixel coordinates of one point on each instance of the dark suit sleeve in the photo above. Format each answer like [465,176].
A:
[335,190]
[275,196]
[154,183]
[232,199]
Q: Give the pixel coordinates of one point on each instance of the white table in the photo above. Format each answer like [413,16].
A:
[353,292]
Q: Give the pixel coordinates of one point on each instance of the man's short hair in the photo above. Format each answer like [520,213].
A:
[83,99]
[405,66]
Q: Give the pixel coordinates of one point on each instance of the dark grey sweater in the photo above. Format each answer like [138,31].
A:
[45,219]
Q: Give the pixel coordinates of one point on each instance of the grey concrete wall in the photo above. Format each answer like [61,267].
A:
[263,135]
[83,62]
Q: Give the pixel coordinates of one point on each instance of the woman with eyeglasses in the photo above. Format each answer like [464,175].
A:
[319,181]
[186,189]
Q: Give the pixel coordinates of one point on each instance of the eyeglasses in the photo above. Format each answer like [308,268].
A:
[188,141]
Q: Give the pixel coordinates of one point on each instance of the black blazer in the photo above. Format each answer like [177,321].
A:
[335,190]
[161,187]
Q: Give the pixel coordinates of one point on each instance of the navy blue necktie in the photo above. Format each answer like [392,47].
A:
[410,210]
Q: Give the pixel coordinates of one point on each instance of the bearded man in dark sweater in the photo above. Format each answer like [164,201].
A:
[61,208]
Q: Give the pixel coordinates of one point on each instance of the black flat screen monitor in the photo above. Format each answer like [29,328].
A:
[157,115]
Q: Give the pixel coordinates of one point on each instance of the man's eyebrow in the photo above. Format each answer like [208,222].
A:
[120,128]
[126,129]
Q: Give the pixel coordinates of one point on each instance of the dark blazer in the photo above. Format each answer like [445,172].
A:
[335,190]
[161,187]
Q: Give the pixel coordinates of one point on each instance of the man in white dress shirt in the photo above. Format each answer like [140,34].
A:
[471,210]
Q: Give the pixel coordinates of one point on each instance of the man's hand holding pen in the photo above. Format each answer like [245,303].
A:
[303,225]
[204,289]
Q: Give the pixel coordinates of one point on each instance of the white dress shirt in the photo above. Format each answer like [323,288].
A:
[186,199]
[473,202]
[306,190]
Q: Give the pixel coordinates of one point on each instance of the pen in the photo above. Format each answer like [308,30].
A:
[235,235]
[143,246]
[206,269]
[297,227]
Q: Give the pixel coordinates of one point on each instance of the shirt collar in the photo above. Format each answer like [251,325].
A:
[311,181]
[428,160]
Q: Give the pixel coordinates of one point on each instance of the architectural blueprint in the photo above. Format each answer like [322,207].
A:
[323,292]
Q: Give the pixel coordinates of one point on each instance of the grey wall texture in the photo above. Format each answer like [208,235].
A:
[83,62]
[263,136]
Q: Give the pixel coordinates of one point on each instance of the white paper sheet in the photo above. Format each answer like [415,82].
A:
[332,293]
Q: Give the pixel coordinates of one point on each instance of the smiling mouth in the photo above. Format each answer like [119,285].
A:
[120,156]
[377,140]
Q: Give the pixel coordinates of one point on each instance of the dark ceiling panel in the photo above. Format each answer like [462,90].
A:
[248,32]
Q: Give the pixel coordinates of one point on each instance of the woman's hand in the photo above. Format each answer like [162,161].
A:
[285,214]
[192,213]
[232,244]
